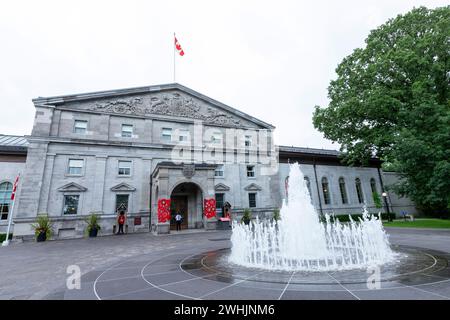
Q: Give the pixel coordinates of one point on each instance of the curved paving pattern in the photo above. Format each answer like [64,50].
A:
[199,274]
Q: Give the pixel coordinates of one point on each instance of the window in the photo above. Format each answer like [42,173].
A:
[127,130]
[220,200]
[359,190]
[124,168]
[5,199]
[343,190]
[71,204]
[166,134]
[308,185]
[250,171]
[326,191]
[183,135]
[216,138]
[248,141]
[219,171]
[252,200]
[80,126]
[75,166]
[122,203]
[373,185]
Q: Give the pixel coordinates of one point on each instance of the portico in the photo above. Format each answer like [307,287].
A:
[186,186]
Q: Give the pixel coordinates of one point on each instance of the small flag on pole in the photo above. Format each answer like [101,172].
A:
[178,47]
[16,182]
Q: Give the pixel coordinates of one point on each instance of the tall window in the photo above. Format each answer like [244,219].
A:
[80,126]
[359,191]
[343,190]
[308,185]
[326,191]
[122,202]
[248,141]
[71,204]
[166,134]
[124,168]
[75,166]
[5,199]
[219,171]
[250,171]
[219,200]
[252,200]
[373,185]
[127,130]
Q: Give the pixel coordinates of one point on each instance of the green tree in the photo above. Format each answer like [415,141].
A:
[391,100]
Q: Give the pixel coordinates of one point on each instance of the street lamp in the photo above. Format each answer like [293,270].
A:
[384,194]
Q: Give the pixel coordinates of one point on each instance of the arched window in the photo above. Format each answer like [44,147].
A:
[326,191]
[359,191]
[308,185]
[343,190]
[373,185]
[5,199]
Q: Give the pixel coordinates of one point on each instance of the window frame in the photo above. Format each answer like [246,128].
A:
[130,167]
[127,132]
[343,190]
[359,191]
[250,200]
[165,137]
[326,191]
[75,128]
[250,171]
[5,201]
[78,196]
[222,194]
[186,135]
[216,170]
[81,168]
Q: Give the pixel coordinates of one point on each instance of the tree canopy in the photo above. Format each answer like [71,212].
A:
[391,100]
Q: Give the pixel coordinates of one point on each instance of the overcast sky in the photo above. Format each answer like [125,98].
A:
[273,60]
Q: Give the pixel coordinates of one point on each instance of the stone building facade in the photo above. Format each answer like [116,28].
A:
[125,150]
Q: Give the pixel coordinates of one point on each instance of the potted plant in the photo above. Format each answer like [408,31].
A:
[42,228]
[276,215]
[247,216]
[93,226]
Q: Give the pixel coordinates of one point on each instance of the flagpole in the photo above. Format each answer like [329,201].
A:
[6,241]
[174,57]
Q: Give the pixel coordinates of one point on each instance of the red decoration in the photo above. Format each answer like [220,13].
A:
[178,47]
[210,208]
[163,210]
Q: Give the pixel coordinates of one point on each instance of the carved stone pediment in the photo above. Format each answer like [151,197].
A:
[173,104]
[221,187]
[123,187]
[72,187]
[253,187]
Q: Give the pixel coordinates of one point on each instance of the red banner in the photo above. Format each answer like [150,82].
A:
[163,210]
[210,208]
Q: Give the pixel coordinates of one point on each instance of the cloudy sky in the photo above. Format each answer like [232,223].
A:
[273,60]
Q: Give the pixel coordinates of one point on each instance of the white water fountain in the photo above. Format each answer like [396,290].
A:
[300,241]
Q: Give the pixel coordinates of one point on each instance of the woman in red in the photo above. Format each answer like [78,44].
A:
[121,221]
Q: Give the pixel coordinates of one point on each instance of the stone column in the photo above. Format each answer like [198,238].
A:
[97,199]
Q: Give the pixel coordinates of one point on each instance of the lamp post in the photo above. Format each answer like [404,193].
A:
[384,194]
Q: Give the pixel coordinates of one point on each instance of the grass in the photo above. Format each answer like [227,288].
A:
[419,223]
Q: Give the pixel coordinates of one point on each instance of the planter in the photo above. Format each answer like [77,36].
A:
[93,232]
[42,236]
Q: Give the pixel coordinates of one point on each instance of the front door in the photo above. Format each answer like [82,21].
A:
[179,204]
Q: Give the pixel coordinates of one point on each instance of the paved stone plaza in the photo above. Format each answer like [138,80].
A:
[189,266]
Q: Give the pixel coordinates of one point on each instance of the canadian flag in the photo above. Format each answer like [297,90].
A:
[13,193]
[178,47]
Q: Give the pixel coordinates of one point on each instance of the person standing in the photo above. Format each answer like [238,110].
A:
[121,221]
[178,219]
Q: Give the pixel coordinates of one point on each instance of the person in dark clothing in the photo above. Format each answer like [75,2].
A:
[121,221]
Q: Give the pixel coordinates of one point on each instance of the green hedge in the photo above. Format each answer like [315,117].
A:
[355,217]
[3,236]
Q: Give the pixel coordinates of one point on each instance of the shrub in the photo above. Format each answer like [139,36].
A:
[276,214]
[92,222]
[247,216]
[377,200]
[3,236]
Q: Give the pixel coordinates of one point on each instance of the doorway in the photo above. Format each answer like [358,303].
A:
[179,204]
